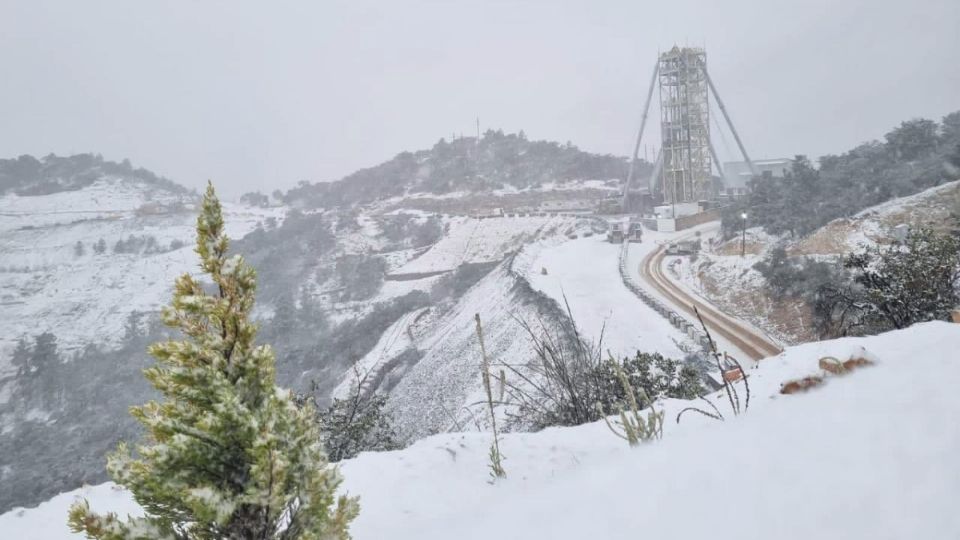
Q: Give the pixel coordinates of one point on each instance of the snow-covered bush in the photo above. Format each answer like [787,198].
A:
[356,424]
[575,385]
[795,277]
[632,426]
[650,376]
[410,230]
[895,286]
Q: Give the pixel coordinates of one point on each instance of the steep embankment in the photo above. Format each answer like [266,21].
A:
[429,361]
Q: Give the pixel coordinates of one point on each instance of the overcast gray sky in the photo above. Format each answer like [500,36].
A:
[259,95]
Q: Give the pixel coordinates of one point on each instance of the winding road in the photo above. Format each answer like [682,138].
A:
[748,340]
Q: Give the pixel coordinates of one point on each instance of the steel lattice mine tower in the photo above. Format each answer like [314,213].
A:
[682,168]
[685,125]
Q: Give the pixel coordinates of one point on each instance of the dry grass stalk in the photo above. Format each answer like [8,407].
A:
[496,458]
[633,427]
[737,373]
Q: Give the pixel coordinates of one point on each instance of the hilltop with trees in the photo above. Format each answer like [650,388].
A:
[496,160]
[27,175]
[916,155]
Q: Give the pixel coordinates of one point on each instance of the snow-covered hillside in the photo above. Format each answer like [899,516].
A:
[730,281]
[86,252]
[442,390]
[52,279]
[869,454]
[876,224]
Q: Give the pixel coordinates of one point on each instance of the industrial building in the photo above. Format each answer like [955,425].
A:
[736,174]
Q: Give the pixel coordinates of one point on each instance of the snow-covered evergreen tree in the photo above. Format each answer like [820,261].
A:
[21,357]
[228,454]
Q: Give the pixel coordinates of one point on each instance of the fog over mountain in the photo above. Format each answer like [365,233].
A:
[349,269]
[259,96]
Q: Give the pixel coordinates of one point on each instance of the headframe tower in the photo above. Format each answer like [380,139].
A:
[684,125]
[683,167]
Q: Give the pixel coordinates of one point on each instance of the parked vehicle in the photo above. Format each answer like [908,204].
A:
[685,247]
[635,232]
[615,234]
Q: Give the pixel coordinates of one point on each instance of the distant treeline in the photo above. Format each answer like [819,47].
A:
[916,155]
[27,175]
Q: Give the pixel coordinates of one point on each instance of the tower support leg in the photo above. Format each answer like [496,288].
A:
[643,123]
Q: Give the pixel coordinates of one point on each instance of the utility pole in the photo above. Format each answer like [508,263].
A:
[478,130]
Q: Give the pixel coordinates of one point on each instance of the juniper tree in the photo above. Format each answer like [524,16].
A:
[227,453]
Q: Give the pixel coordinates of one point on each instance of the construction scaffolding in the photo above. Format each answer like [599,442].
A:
[685,125]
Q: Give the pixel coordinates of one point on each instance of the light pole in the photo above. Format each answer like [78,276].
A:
[743,236]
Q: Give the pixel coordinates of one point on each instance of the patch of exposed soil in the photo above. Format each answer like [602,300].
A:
[789,320]
[732,247]
[831,239]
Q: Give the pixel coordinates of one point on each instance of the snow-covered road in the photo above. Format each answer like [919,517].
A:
[732,335]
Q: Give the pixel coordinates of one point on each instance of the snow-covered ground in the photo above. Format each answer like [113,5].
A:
[585,273]
[871,454]
[109,197]
[46,286]
[443,390]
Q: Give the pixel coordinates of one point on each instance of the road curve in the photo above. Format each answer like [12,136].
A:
[744,338]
